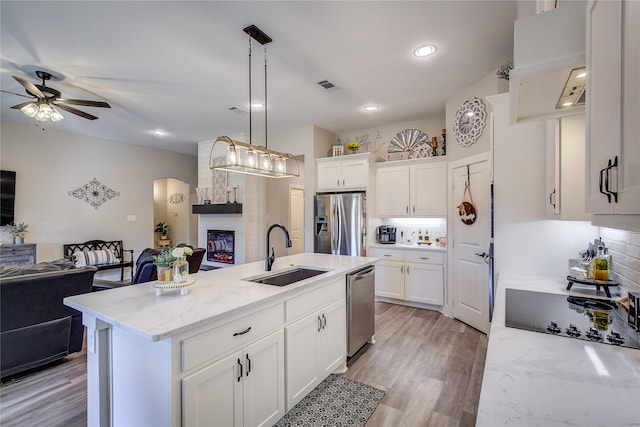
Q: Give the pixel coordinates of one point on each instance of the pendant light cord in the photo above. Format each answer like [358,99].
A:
[265,99]
[250,100]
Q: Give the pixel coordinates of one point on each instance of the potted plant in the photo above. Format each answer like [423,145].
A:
[17,230]
[353,146]
[164,262]
[162,228]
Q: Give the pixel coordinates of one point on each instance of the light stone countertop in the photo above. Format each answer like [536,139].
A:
[536,379]
[216,294]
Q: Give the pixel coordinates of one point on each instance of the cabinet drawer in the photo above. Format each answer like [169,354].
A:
[311,301]
[425,257]
[388,254]
[211,345]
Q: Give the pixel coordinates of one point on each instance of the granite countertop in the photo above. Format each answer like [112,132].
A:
[535,379]
[216,294]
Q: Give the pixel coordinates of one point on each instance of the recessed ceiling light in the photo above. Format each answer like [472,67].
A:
[582,75]
[257,105]
[160,132]
[371,107]
[425,50]
[567,104]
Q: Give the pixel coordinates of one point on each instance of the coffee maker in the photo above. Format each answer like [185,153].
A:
[386,234]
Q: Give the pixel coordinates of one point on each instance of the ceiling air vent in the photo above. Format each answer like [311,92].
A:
[327,84]
[238,110]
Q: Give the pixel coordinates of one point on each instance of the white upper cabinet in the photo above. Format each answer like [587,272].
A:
[417,189]
[343,173]
[613,107]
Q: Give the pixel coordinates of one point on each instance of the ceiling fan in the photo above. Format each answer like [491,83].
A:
[44,97]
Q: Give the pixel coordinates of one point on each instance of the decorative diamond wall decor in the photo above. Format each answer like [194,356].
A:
[94,193]
[176,198]
[219,181]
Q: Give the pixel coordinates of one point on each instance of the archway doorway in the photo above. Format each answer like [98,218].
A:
[172,206]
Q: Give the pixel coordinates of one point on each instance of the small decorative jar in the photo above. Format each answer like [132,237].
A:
[165,274]
[180,270]
[18,238]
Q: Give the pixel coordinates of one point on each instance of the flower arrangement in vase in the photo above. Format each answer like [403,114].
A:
[180,265]
[17,230]
[353,146]
[164,264]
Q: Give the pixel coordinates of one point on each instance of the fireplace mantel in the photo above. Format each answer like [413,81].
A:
[216,208]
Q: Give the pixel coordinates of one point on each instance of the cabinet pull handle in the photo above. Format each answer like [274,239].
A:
[338,183]
[552,199]
[324,321]
[414,208]
[239,370]
[600,182]
[611,190]
[243,332]
[424,257]
[387,254]
[407,208]
[402,269]
[248,365]
[343,184]
[319,323]
[407,269]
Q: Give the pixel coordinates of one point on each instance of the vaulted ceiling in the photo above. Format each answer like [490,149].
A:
[179,66]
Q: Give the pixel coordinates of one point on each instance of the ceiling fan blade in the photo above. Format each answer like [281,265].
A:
[19,94]
[76,112]
[31,88]
[99,104]
[19,106]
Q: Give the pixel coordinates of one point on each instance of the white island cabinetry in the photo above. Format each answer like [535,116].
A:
[227,353]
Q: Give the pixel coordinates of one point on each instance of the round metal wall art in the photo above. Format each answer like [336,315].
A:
[469,121]
[413,141]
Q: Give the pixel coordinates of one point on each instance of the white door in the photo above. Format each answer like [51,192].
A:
[296,220]
[469,269]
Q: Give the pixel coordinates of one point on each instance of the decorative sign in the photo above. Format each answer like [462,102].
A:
[218,180]
[94,193]
[176,198]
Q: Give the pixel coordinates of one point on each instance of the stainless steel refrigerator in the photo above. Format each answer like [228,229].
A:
[340,224]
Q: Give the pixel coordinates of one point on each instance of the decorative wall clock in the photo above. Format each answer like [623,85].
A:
[469,121]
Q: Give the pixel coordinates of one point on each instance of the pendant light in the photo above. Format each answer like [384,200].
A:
[255,159]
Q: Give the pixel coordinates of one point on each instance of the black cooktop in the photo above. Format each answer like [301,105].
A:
[584,318]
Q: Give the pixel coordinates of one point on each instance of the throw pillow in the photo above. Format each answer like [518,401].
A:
[79,259]
[104,256]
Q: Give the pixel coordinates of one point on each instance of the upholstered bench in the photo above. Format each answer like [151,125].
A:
[105,255]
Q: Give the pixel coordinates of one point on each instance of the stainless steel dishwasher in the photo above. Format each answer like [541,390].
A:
[360,309]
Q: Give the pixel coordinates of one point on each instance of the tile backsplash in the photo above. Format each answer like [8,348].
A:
[624,248]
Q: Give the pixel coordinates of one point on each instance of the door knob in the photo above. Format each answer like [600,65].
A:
[484,256]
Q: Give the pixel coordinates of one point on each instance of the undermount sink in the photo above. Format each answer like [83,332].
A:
[284,278]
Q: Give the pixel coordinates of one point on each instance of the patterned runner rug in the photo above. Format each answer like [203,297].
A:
[336,401]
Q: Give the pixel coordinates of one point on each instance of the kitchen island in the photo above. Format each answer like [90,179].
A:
[217,354]
[536,379]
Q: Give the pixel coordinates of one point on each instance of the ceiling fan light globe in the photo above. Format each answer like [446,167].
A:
[55,115]
[30,109]
[44,113]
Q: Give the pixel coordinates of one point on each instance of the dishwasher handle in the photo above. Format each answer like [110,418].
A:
[363,274]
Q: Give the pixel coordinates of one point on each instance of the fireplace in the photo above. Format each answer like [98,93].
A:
[221,246]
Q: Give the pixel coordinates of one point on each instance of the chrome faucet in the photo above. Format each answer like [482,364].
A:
[268,262]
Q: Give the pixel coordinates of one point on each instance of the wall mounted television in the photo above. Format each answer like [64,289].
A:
[7,196]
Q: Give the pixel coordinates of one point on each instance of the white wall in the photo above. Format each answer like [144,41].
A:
[526,241]
[51,163]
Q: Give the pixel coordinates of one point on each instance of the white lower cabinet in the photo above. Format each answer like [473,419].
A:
[410,275]
[316,342]
[243,389]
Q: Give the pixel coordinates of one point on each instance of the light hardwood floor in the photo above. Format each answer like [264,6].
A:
[430,367]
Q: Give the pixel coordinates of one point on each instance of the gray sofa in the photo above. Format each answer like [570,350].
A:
[36,328]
